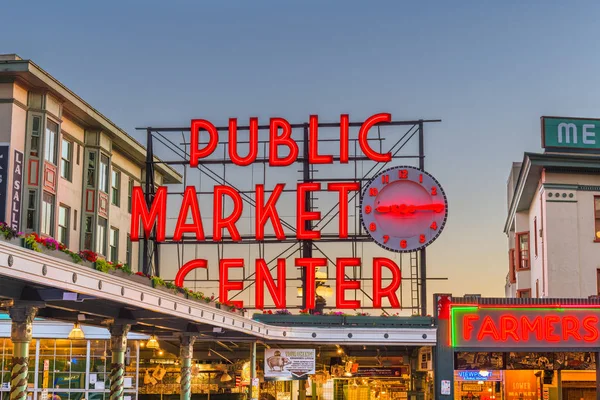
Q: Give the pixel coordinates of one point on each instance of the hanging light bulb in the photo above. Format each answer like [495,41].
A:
[226,377]
[329,292]
[321,275]
[76,332]
[299,292]
[152,343]
[321,291]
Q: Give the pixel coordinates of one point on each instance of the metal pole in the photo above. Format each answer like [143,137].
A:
[306,244]
[253,395]
[186,352]
[21,333]
[423,252]
[145,241]
[118,346]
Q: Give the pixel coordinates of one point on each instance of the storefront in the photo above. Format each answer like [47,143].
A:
[510,349]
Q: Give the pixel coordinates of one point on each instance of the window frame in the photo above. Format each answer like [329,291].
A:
[51,146]
[88,233]
[535,236]
[512,267]
[519,257]
[115,191]
[101,242]
[37,134]
[128,250]
[104,173]
[45,208]
[69,161]
[596,220]
[130,185]
[520,293]
[114,258]
[66,227]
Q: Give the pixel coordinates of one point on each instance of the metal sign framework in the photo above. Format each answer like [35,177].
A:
[180,153]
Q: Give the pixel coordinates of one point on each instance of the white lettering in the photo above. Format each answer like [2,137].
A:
[589,137]
[569,129]
[18,169]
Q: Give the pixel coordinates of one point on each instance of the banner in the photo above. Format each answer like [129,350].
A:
[3,180]
[17,183]
[289,363]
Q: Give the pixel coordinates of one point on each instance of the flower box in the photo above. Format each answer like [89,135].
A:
[398,322]
[176,292]
[133,277]
[15,241]
[308,320]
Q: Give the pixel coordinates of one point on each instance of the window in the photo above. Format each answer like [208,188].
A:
[66,157]
[114,244]
[101,240]
[47,227]
[523,249]
[64,214]
[116,187]
[103,177]
[597,218]
[89,233]
[129,194]
[512,275]
[50,141]
[78,153]
[74,220]
[31,209]
[537,288]
[535,237]
[128,251]
[524,293]
[91,170]
[34,144]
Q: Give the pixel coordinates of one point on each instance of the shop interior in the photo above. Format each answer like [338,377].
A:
[524,376]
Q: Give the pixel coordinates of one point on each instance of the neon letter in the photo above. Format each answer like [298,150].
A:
[488,328]
[364,143]
[535,326]
[233,142]
[468,325]
[213,140]
[341,284]
[590,324]
[550,335]
[343,188]
[310,266]
[157,213]
[313,143]
[219,222]
[225,285]
[508,327]
[190,201]
[302,216]
[344,138]
[285,139]
[268,211]
[187,268]
[390,290]
[570,328]
[263,275]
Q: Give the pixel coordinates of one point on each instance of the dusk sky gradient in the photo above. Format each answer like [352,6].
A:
[489,70]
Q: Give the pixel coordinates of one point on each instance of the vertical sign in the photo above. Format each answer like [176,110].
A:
[445,390]
[3,180]
[17,183]
[45,380]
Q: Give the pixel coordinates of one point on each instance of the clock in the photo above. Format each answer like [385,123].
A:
[404,209]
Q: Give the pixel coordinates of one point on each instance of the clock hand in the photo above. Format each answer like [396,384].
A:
[409,209]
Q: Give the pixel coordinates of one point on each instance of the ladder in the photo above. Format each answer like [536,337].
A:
[414,283]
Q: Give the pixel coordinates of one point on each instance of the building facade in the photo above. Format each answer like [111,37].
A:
[553,222]
[68,170]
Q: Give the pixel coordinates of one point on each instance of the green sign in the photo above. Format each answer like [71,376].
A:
[571,133]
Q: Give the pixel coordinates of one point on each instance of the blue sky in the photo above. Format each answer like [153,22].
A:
[489,70]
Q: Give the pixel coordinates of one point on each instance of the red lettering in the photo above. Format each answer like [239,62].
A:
[344,138]
[268,211]
[488,329]
[263,275]
[570,327]
[190,202]
[590,325]
[342,284]
[157,213]
[220,222]
[343,188]
[213,140]
[313,143]
[548,325]
[187,268]
[310,266]
[253,143]
[390,290]
[284,140]
[468,325]
[508,327]
[364,132]
[529,327]
[225,285]
[303,216]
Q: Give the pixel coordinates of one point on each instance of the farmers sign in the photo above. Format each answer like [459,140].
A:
[289,363]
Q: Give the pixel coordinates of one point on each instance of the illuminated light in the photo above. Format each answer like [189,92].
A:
[189,203]
[285,139]
[140,213]
[213,141]
[484,373]
[263,276]
[570,328]
[160,352]
[310,265]
[226,285]
[344,138]
[313,143]
[322,291]
[233,142]
[268,211]
[299,292]
[508,327]
[490,389]
[342,284]
[480,382]
[340,351]
[76,332]
[598,234]
[468,326]
[488,328]
[364,143]
[590,324]
[390,290]
[152,343]
[142,344]
[303,216]
[226,377]
[343,188]
[329,292]
[320,275]
[529,327]
[220,222]
[187,268]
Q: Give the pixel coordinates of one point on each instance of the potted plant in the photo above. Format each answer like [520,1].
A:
[10,235]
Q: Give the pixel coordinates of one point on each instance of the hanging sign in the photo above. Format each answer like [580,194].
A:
[17,183]
[289,363]
[3,180]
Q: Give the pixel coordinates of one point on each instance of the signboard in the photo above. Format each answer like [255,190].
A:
[505,327]
[571,133]
[382,372]
[289,363]
[3,180]
[520,385]
[17,184]
[445,387]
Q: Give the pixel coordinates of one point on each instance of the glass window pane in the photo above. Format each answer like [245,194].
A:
[47,227]
[50,141]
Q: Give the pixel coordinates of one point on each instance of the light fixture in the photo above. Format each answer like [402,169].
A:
[160,352]
[152,343]
[142,344]
[484,373]
[299,292]
[340,351]
[76,332]
[226,377]
[321,276]
[321,291]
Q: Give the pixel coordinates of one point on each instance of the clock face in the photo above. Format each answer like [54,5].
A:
[404,209]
